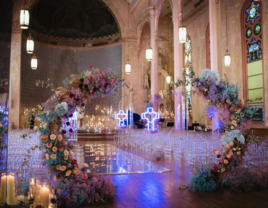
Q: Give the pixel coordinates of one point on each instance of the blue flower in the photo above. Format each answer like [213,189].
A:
[210,73]
[231,135]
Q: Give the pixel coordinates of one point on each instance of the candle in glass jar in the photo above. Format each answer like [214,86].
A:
[3,190]
[44,197]
[11,200]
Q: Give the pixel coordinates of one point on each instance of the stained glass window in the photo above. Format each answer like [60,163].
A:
[257,29]
[188,60]
[252,64]
[249,32]
[253,12]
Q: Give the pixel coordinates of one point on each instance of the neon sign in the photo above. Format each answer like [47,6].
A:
[150,116]
[121,116]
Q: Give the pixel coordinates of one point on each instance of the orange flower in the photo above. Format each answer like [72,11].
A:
[49,145]
[234,122]
[76,171]
[53,156]
[242,114]
[68,173]
[44,138]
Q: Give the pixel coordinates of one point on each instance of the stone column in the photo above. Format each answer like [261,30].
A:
[178,65]
[215,35]
[215,44]
[154,62]
[15,66]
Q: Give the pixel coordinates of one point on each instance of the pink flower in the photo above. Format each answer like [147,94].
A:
[84,184]
[62,168]
[53,156]
[52,136]
[59,137]
[97,195]
[85,177]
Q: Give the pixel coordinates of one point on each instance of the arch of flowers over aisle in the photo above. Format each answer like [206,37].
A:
[235,118]
[74,185]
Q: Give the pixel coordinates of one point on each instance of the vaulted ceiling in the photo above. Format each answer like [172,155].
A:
[73,18]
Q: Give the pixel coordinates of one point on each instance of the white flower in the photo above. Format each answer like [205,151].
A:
[88,171]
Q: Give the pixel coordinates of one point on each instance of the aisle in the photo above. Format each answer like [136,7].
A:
[160,190]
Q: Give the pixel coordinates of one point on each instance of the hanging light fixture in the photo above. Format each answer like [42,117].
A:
[149,53]
[34,62]
[182,32]
[30,45]
[128,66]
[24,16]
[168,79]
[227,57]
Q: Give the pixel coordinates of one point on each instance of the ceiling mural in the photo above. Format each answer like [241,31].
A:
[73,18]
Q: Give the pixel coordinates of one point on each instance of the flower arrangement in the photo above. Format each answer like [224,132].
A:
[222,98]
[158,155]
[235,116]
[84,188]
[75,186]
[204,178]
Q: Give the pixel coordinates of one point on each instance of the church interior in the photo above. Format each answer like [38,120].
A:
[133,103]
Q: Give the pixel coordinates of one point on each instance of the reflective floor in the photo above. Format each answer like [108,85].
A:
[113,160]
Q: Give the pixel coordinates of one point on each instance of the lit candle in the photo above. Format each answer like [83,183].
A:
[32,182]
[11,200]
[3,190]
[44,197]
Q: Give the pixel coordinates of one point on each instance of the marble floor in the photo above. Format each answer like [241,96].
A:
[161,189]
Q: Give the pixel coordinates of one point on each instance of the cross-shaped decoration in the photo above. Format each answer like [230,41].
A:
[150,116]
[121,116]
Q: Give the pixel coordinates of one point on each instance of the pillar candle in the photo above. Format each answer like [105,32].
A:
[11,200]
[3,190]
[44,197]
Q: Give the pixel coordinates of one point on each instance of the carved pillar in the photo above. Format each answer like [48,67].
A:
[154,62]
[215,44]
[15,66]
[178,66]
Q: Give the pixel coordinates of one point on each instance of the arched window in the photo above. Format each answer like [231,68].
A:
[252,46]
